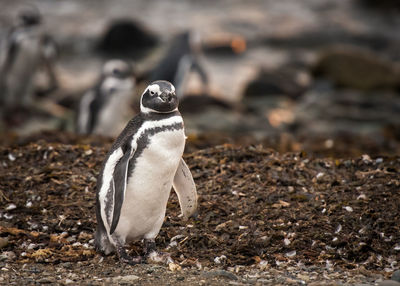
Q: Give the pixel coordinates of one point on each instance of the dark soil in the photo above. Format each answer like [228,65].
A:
[258,209]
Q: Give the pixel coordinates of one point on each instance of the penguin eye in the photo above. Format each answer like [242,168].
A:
[116,72]
[152,92]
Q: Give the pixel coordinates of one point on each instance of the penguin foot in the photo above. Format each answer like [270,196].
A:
[132,260]
[125,258]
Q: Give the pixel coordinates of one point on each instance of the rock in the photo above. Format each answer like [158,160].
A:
[174,267]
[126,37]
[220,273]
[45,280]
[125,279]
[7,256]
[357,68]
[282,81]
[3,242]
[389,283]
[396,276]
[383,5]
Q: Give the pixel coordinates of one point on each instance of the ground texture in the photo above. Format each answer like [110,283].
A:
[264,218]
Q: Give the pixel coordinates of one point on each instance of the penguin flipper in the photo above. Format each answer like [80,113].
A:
[185,188]
[120,177]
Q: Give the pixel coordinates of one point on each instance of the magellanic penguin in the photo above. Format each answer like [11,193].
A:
[25,49]
[104,108]
[180,59]
[137,175]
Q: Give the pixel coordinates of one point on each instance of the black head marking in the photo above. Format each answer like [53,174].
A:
[159,97]
[30,16]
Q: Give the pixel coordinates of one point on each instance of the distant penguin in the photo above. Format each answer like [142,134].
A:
[103,109]
[136,178]
[26,48]
[180,59]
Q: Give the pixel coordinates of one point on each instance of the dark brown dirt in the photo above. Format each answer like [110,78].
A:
[258,209]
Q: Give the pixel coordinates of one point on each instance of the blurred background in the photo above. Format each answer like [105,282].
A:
[320,76]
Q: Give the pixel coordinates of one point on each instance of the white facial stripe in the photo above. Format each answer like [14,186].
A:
[154,88]
[105,184]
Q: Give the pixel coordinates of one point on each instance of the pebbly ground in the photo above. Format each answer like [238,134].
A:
[264,218]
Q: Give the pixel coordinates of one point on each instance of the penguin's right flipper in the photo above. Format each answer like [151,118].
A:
[200,70]
[11,50]
[185,188]
[120,177]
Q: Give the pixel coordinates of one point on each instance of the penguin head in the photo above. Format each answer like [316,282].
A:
[159,97]
[117,69]
[29,16]
[116,77]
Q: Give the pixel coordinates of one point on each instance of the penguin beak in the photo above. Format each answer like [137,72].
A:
[166,97]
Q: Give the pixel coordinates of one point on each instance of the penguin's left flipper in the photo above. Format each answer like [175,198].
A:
[185,188]
[120,177]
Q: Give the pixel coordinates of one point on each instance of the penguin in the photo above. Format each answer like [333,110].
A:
[26,48]
[180,59]
[104,108]
[136,178]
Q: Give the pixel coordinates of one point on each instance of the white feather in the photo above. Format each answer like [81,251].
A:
[105,184]
[154,88]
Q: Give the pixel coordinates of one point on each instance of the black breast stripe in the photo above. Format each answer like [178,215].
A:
[144,139]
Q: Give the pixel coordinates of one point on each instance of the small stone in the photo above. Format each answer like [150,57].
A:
[396,276]
[362,197]
[290,253]
[11,207]
[339,228]
[125,279]
[45,280]
[389,283]
[174,267]
[303,277]
[366,158]
[219,259]
[7,255]
[69,281]
[11,157]
[349,209]
[3,242]
[220,273]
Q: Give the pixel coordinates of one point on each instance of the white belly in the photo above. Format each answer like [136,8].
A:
[113,117]
[149,186]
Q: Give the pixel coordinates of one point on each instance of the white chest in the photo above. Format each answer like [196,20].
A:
[149,185]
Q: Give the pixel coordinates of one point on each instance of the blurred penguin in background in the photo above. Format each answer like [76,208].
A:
[25,49]
[180,59]
[105,108]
